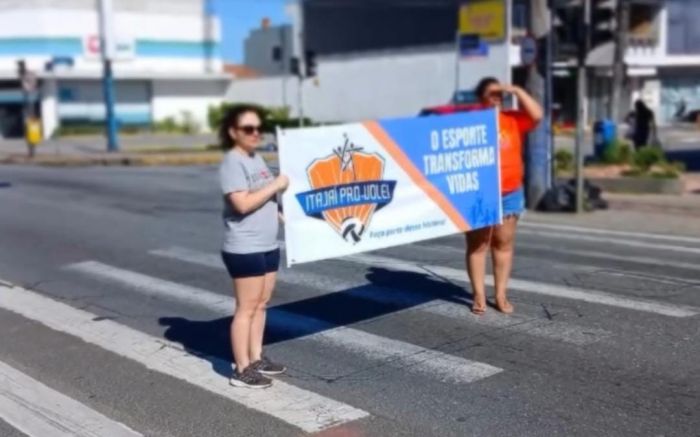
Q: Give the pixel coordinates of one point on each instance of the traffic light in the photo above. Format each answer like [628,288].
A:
[603,22]
[310,63]
[294,66]
[567,31]
[21,68]
[277,53]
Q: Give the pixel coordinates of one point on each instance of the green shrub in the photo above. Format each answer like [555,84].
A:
[668,170]
[96,129]
[647,157]
[564,160]
[189,125]
[166,125]
[619,152]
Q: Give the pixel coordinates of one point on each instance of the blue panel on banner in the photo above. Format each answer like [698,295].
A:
[458,155]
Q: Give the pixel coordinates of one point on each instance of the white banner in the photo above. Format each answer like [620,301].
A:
[367,186]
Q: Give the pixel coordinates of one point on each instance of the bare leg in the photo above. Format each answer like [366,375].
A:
[248,292]
[478,242]
[502,249]
[257,329]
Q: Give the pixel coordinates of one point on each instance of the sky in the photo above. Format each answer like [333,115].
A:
[239,17]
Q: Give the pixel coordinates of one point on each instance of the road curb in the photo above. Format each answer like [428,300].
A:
[129,159]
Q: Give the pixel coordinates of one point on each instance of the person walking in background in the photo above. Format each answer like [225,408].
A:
[513,125]
[644,125]
[250,250]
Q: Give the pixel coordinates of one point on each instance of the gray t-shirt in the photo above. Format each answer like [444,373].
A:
[257,230]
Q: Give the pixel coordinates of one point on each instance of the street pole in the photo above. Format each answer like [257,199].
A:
[283,65]
[622,13]
[581,78]
[300,97]
[549,92]
[539,150]
[301,50]
[28,81]
[458,56]
[107,44]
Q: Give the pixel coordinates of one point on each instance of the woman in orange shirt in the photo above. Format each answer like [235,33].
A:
[512,126]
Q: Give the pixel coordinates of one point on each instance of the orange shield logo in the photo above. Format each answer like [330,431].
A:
[346,190]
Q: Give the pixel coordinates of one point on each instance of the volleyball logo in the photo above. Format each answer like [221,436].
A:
[347,188]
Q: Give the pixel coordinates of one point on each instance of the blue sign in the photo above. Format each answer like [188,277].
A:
[472,46]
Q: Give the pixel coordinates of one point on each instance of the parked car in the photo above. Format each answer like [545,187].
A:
[461,101]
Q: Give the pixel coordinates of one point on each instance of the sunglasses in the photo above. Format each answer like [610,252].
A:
[250,129]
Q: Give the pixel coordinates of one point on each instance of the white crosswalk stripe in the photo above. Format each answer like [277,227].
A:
[39,411]
[609,232]
[590,296]
[371,346]
[301,408]
[411,301]
[615,241]
[444,248]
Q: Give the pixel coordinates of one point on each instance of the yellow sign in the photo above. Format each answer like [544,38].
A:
[486,18]
[33,131]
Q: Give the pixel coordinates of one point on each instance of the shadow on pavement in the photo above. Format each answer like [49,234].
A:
[387,292]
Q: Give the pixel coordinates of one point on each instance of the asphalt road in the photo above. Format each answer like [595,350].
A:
[118,325]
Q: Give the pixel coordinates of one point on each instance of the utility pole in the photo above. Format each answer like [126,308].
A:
[458,59]
[284,55]
[539,150]
[622,14]
[300,50]
[29,120]
[107,44]
[584,48]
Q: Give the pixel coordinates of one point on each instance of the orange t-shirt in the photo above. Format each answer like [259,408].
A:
[512,126]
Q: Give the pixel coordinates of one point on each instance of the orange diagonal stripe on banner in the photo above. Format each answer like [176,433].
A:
[416,176]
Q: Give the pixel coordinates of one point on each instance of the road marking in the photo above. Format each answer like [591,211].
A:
[37,410]
[304,409]
[591,296]
[616,241]
[442,248]
[374,347]
[611,256]
[409,300]
[581,229]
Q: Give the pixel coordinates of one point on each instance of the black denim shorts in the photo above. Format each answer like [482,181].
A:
[246,265]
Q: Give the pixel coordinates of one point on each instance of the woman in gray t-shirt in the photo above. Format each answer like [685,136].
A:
[250,249]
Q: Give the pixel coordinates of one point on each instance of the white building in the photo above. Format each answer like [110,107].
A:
[168,61]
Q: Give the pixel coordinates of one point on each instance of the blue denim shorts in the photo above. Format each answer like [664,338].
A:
[513,203]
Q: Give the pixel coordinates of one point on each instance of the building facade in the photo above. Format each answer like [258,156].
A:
[268,50]
[382,58]
[662,61]
[167,61]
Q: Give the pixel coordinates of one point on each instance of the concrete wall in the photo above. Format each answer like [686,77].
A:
[171,97]
[377,85]
[82,101]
